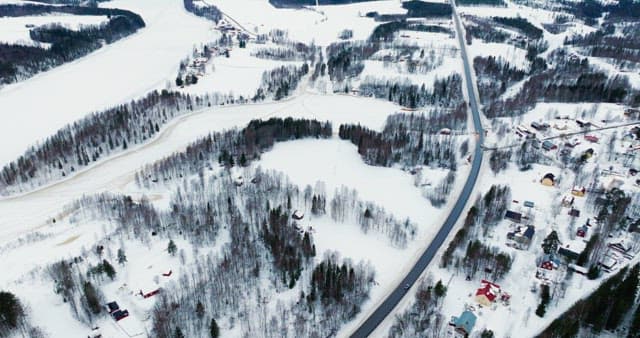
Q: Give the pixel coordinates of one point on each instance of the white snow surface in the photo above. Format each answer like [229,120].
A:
[114,74]
[14,30]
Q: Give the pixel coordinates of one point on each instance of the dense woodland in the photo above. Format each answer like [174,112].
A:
[471,256]
[494,76]
[231,148]
[605,309]
[571,80]
[210,12]
[446,92]
[19,62]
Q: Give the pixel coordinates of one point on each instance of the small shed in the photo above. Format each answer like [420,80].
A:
[591,138]
[529,204]
[297,215]
[548,145]
[549,180]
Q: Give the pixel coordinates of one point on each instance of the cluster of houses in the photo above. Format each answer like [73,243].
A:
[487,295]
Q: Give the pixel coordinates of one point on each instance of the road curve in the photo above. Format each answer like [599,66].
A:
[379,314]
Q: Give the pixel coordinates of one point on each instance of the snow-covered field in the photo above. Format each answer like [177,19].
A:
[114,173]
[15,30]
[321,25]
[114,74]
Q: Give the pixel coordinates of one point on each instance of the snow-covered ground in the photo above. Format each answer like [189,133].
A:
[116,172]
[321,25]
[114,74]
[15,30]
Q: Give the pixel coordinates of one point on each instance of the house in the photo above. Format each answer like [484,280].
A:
[539,126]
[623,247]
[572,250]
[487,293]
[522,237]
[578,191]
[548,180]
[578,269]
[548,145]
[582,231]
[120,314]
[150,293]
[113,307]
[513,216]
[613,183]
[567,201]
[549,262]
[591,138]
[574,212]
[464,324]
[608,262]
[298,215]
[583,123]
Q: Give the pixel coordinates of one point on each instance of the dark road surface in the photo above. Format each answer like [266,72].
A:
[370,324]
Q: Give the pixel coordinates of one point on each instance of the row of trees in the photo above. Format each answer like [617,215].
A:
[97,136]
[446,92]
[410,144]
[209,11]
[280,82]
[485,213]
[572,80]
[422,318]
[19,62]
[605,309]
[231,148]
[494,76]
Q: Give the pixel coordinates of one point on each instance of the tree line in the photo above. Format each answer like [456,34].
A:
[495,75]
[18,62]
[445,92]
[231,148]
[209,11]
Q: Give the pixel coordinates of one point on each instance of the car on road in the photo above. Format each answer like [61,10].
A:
[407,286]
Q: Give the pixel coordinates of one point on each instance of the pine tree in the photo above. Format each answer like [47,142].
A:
[122,257]
[108,269]
[214,330]
[11,311]
[200,310]
[178,333]
[172,248]
[550,243]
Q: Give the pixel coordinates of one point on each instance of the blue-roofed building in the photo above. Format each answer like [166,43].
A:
[464,324]
[529,204]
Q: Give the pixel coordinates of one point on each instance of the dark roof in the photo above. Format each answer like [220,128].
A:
[113,306]
[549,176]
[529,232]
[513,215]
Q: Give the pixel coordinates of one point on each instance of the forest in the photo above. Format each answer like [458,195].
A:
[494,76]
[422,318]
[209,12]
[268,253]
[19,62]
[605,309]
[446,92]
[521,24]
[231,148]
[572,80]
[97,136]
[424,9]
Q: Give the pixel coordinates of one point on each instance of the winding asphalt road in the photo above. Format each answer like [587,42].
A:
[370,324]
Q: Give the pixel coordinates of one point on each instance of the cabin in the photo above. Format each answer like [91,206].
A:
[548,145]
[150,293]
[487,293]
[522,237]
[608,262]
[574,212]
[120,314]
[591,138]
[578,191]
[583,123]
[548,180]
[549,262]
[539,126]
[567,201]
[297,215]
[113,307]
[572,250]
[513,216]
[582,231]
[464,324]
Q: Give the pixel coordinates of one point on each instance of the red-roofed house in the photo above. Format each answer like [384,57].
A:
[487,293]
